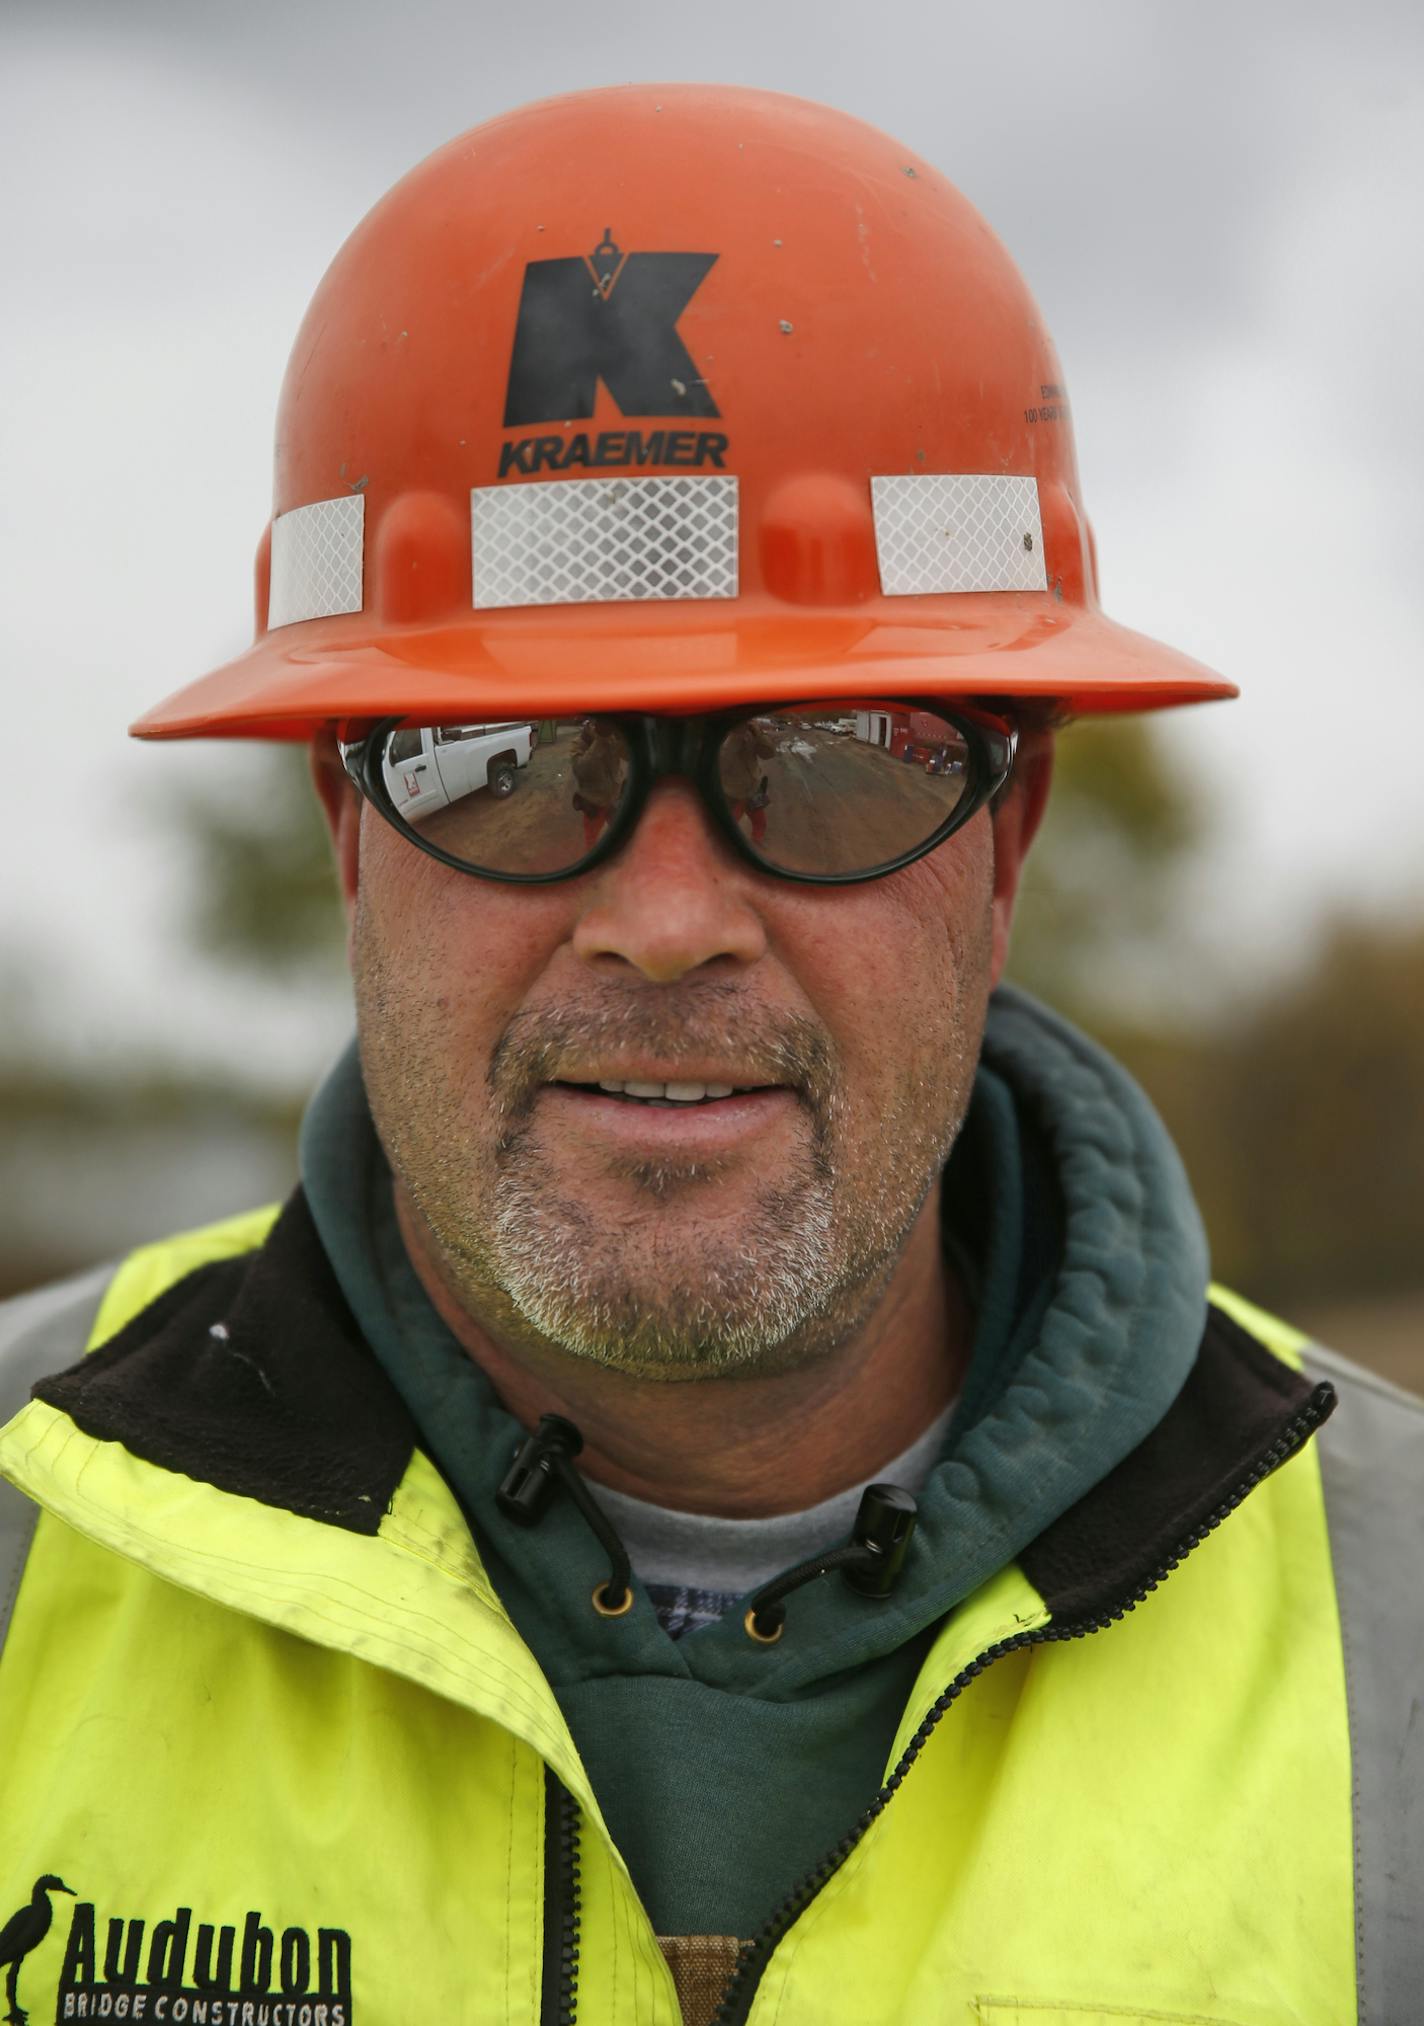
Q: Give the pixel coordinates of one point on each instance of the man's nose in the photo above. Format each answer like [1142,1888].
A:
[673,899]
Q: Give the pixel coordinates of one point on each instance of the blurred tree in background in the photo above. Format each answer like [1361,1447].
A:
[1303,1123]
[1097,920]
[262,882]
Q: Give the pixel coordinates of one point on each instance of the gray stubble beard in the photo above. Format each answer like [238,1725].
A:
[809,1260]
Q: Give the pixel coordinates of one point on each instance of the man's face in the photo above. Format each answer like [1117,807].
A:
[738,1234]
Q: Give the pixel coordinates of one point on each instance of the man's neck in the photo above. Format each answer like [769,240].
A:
[742,1447]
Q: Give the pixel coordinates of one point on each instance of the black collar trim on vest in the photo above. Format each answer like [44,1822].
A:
[1234,1419]
[251,1375]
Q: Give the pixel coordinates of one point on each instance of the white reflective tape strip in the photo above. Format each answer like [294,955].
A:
[958,531]
[317,560]
[571,541]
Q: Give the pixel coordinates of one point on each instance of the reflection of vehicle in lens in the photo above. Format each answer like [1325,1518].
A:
[429,767]
[916,737]
[935,759]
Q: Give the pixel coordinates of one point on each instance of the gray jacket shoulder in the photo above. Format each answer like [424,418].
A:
[39,1333]
[46,1330]
[1372,1447]
[1372,1465]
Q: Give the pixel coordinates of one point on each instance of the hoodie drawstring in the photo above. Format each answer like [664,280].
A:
[870,1561]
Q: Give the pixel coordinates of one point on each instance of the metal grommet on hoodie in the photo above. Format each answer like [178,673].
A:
[753,1631]
[606,1610]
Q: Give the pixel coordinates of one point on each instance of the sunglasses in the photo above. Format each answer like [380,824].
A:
[825,793]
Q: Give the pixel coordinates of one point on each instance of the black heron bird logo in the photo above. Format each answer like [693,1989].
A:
[24,1931]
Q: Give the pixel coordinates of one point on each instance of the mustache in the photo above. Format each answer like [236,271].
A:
[541,1044]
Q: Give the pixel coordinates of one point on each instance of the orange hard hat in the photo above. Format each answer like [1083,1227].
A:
[672,398]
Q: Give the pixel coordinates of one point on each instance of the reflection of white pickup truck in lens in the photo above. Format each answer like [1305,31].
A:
[429,767]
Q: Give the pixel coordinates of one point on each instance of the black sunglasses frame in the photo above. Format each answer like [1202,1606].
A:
[666,747]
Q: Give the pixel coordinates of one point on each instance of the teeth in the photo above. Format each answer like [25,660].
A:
[668,1093]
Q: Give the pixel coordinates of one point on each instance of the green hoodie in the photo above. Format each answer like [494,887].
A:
[727,1769]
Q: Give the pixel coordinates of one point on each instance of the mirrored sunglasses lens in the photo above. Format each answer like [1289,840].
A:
[842,788]
[530,797]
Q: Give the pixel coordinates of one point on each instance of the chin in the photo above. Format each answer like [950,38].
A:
[673,1313]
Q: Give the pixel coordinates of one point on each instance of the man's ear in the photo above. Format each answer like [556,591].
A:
[341,805]
[1016,821]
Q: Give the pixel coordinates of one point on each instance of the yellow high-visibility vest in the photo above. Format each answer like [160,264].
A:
[297,1772]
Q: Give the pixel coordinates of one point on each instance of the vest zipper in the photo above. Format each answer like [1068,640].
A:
[742,1985]
[558,1990]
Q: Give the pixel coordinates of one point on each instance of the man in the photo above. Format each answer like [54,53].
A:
[725,1493]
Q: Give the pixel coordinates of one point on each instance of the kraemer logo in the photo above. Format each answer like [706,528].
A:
[204,1975]
[611,316]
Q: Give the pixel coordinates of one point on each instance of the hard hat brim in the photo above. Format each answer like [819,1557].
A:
[553,662]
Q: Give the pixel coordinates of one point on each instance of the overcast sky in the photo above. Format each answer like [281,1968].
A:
[1217,207]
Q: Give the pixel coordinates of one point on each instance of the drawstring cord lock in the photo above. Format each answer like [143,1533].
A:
[883,1528]
[528,1484]
[542,1461]
[871,1561]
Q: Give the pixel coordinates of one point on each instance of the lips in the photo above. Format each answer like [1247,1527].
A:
[702,1123]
